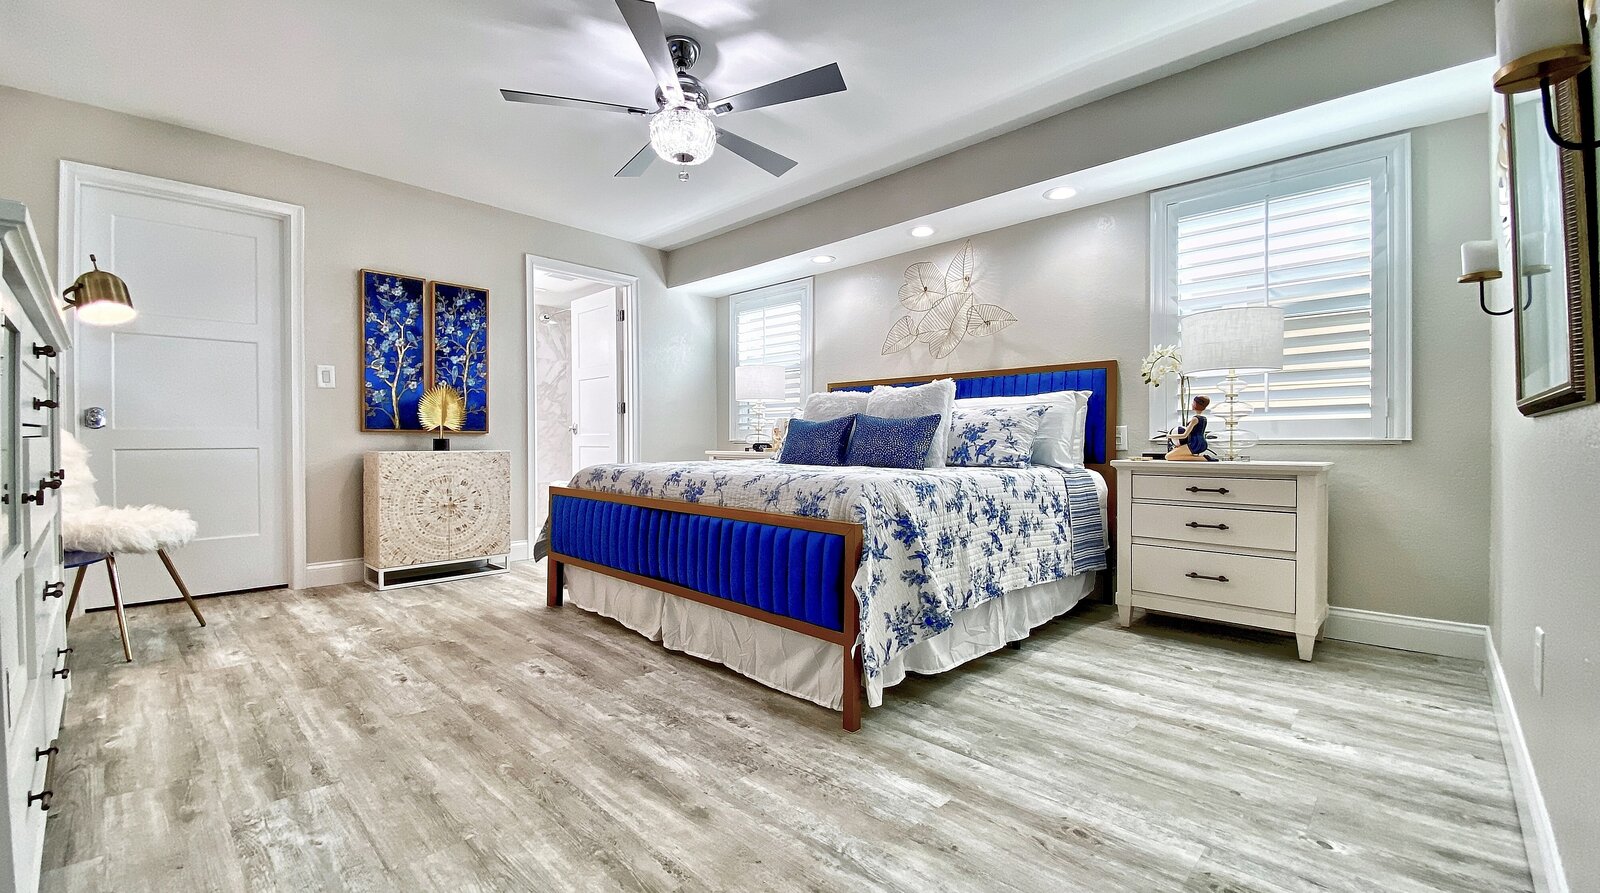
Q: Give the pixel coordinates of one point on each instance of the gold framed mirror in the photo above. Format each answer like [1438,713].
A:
[1552,255]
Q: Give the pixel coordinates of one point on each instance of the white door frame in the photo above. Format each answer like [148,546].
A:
[77,175]
[628,300]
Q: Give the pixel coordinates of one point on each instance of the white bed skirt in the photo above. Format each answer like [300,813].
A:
[807,667]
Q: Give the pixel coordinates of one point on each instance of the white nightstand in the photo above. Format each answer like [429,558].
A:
[740,455]
[1238,542]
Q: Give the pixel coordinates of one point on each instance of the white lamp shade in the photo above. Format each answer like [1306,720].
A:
[1524,27]
[759,382]
[1234,339]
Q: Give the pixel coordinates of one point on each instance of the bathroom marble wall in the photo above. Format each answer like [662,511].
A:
[552,395]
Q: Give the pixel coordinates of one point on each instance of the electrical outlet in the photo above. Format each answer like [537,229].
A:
[1122,437]
[1538,659]
[324,376]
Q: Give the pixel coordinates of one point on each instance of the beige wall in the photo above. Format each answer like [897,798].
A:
[1341,58]
[1409,521]
[352,221]
[1545,573]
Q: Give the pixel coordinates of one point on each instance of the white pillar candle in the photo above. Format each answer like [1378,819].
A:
[1524,27]
[1533,250]
[1479,257]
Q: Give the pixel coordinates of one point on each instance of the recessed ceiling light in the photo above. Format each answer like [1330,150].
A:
[1061,193]
[922,232]
[823,259]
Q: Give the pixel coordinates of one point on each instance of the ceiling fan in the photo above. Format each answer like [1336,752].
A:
[682,130]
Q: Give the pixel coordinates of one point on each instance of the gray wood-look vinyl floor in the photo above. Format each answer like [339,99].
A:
[463,737]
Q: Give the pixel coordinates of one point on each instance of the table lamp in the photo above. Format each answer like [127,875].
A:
[1233,341]
[756,384]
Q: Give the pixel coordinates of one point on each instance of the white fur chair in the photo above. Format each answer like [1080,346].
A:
[91,532]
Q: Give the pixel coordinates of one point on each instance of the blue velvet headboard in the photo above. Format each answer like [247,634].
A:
[1100,437]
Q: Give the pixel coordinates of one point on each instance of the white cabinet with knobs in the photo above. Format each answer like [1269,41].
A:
[33,648]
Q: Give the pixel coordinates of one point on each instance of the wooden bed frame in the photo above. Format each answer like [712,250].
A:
[640,516]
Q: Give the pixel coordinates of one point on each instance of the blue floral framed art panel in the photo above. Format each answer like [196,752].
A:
[459,340]
[393,350]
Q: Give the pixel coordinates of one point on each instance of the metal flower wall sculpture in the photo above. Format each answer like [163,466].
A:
[944,308]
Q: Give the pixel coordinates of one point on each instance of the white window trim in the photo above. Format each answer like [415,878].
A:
[769,294]
[1392,312]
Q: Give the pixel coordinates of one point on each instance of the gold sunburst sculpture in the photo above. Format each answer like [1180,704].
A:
[442,409]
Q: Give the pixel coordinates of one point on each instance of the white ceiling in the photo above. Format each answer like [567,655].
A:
[407,89]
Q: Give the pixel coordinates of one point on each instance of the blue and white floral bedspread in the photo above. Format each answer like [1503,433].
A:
[936,542]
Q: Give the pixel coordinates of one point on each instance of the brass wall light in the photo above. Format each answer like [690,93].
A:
[1540,43]
[100,298]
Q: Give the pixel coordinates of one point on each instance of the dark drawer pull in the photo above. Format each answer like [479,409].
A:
[40,753]
[43,350]
[63,652]
[1221,491]
[1194,576]
[54,590]
[45,404]
[62,673]
[49,483]
[60,474]
[1211,526]
[42,798]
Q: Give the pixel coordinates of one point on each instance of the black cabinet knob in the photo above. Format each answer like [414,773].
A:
[54,590]
[42,798]
[50,483]
[40,753]
[43,350]
[62,673]
[45,404]
[60,474]
[62,652]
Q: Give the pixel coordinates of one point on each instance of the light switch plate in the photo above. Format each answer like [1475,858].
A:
[324,376]
[1122,437]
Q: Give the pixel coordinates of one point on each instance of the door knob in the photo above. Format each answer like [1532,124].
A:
[94,417]
[573,428]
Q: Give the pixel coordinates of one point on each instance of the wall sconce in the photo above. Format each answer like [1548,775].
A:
[1539,43]
[100,298]
[1480,263]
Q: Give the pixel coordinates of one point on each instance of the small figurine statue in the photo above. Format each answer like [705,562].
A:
[1191,438]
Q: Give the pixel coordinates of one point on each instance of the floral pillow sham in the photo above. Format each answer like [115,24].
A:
[995,437]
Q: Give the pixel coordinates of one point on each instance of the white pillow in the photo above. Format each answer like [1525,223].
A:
[887,402]
[825,407]
[1059,442]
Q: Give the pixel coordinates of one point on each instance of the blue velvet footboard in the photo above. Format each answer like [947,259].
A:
[785,570]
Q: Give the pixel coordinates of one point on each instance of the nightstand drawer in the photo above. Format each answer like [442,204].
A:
[1263,583]
[1251,529]
[1214,489]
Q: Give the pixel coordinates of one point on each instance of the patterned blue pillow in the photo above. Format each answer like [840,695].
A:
[816,443]
[999,437]
[892,443]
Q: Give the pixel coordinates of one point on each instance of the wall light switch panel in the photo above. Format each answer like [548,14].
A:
[1122,437]
[1538,659]
[324,376]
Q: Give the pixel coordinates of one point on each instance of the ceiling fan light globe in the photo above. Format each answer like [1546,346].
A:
[683,135]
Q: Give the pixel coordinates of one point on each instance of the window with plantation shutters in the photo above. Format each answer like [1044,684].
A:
[1326,237]
[770,326]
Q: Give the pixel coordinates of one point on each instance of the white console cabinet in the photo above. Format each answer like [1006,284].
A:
[33,647]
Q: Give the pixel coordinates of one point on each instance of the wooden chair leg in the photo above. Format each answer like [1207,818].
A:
[77,587]
[184,590]
[116,602]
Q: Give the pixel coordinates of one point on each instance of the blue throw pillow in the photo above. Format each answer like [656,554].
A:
[816,443]
[892,443]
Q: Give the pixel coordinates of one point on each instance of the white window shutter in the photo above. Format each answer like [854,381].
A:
[772,326]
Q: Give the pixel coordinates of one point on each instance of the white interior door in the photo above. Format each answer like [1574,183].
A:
[595,379]
[193,388]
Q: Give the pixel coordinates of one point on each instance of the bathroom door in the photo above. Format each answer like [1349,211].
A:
[596,407]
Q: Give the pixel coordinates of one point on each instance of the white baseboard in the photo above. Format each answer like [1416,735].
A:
[1442,637]
[349,570]
[333,573]
[1538,836]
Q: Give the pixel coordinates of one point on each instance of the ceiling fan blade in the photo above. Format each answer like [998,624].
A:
[755,153]
[816,82]
[645,23]
[569,102]
[637,164]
